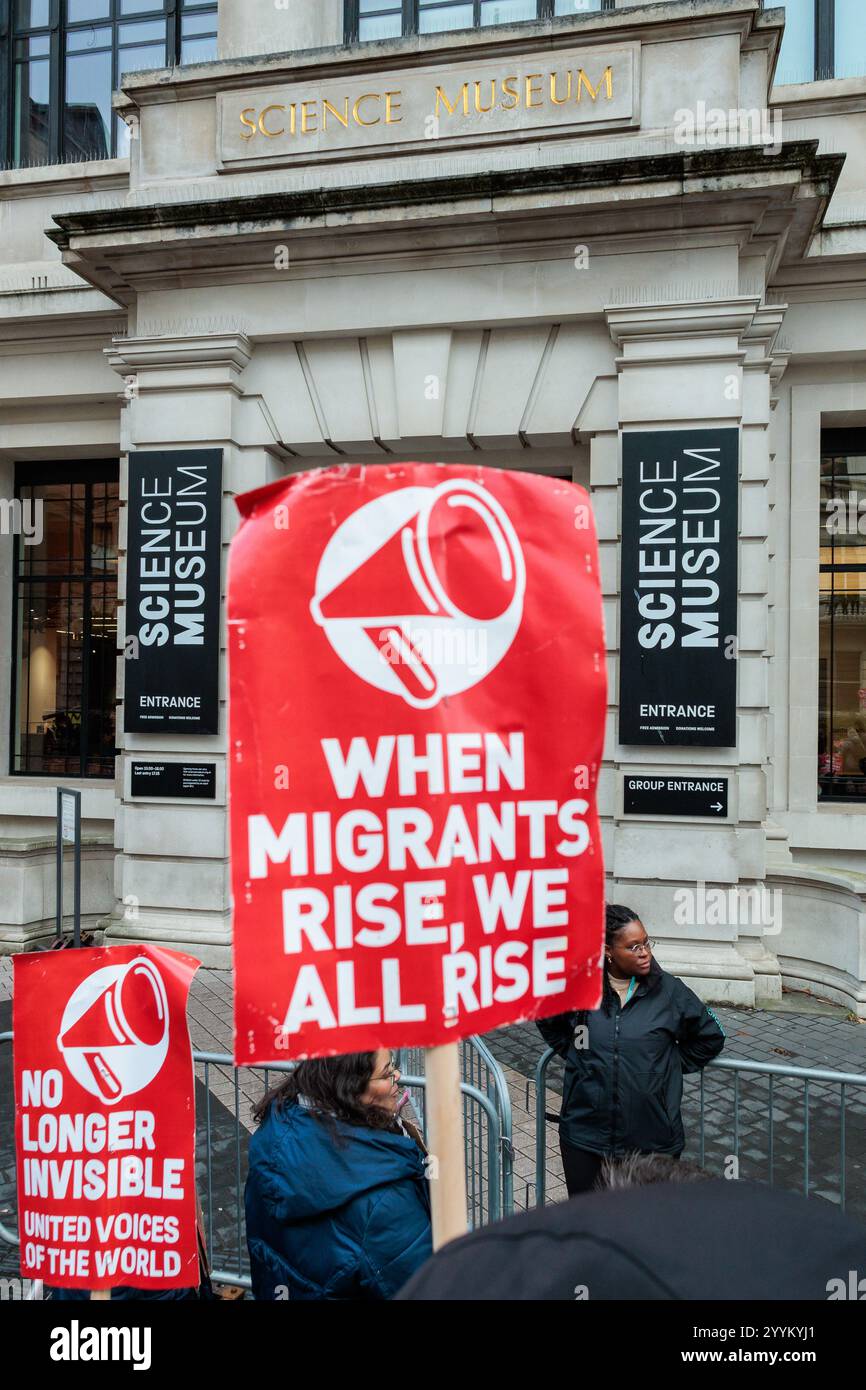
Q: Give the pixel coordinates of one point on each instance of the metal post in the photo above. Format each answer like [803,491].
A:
[58,855]
[69,834]
[76,875]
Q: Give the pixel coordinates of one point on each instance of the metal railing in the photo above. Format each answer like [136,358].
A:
[489,1164]
[780,1109]
[222,1138]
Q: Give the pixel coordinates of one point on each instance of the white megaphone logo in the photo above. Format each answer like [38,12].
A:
[420,592]
[114,1031]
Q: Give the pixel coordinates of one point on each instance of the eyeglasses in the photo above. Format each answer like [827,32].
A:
[640,946]
[392,1073]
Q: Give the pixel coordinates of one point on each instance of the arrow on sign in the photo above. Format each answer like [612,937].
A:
[716,806]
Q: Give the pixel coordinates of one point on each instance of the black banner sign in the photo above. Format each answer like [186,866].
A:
[676,796]
[173,592]
[174,779]
[678,638]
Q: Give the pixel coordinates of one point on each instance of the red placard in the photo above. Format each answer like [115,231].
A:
[105,1118]
[417,709]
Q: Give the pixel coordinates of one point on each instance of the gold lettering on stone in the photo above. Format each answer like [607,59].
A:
[606,78]
[269,134]
[329,106]
[478,97]
[357,117]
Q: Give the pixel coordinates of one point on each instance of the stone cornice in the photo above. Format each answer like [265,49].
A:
[682,167]
[230,351]
[647,323]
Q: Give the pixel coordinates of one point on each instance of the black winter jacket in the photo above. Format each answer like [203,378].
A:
[623,1088]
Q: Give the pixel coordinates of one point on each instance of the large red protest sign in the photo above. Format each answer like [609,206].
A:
[417,702]
[105,1118]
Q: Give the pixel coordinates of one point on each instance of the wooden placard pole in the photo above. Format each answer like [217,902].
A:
[445,1137]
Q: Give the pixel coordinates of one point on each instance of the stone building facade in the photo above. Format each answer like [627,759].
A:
[498,234]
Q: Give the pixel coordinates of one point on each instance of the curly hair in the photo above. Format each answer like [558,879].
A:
[335,1086]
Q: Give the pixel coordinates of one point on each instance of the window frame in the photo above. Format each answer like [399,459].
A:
[824,57]
[34,475]
[56,29]
[837,443]
[352,18]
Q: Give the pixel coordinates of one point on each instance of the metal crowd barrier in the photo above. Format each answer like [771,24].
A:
[221,1157]
[781,1108]
[489,1157]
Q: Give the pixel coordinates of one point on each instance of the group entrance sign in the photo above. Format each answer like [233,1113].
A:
[105,1118]
[417,701]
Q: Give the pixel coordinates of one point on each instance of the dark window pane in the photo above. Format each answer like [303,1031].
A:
[91,37]
[850,38]
[507,11]
[37,46]
[30,139]
[198,24]
[78,10]
[436,19]
[842,629]
[56,511]
[203,50]
[380,27]
[797,57]
[87,118]
[31,14]
[101,678]
[150,55]
[67,634]
[103,528]
[142,31]
[50,635]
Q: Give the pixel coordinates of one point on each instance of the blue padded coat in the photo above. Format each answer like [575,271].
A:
[344,1218]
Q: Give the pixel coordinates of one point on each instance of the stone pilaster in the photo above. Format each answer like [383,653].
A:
[699,364]
[171,870]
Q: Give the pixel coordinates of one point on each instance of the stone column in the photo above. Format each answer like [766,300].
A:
[171,872]
[701,365]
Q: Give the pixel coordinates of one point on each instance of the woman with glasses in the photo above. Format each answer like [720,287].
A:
[624,1061]
[337,1203]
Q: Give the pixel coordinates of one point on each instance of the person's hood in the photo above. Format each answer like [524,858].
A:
[706,1239]
[303,1170]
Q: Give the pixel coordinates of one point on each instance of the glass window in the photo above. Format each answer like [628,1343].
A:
[30,120]
[507,11]
[99,42]
[797,58]
[87,104]
[66,625]
[435,17]
[842,626]
[198,38]
[387,19]
[31,14]
[380,19]
[850,38]
[79,10]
